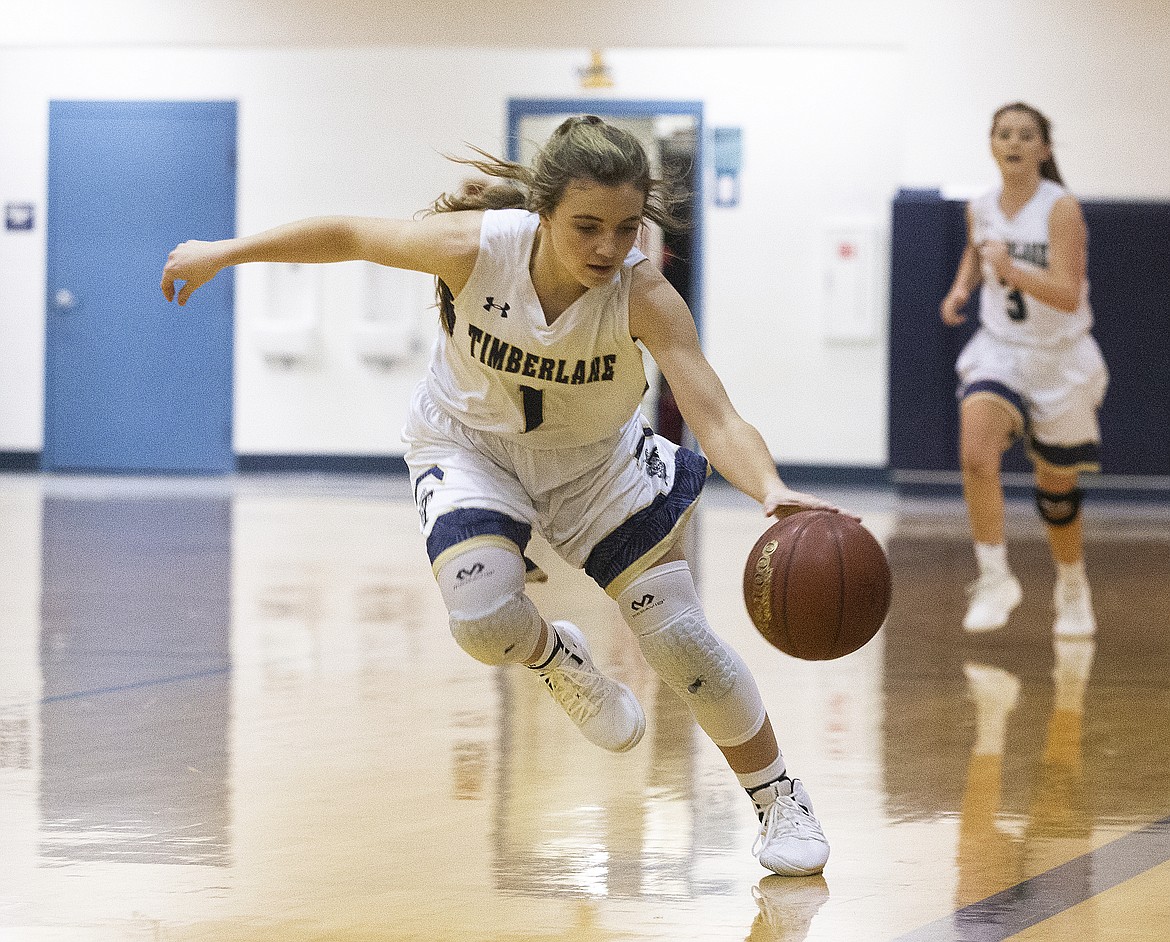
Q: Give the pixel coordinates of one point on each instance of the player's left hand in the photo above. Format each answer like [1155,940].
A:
[995,255]
[782,501]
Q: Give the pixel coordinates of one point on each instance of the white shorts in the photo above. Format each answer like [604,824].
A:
[613,507]
[1054,394]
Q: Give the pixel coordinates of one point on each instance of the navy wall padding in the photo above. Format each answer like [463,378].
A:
[1129,277]
[1129,287]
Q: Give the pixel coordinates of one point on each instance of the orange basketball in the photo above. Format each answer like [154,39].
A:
[817,585]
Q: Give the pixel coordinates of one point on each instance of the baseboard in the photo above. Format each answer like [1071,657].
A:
[322,464]
[834,475]
[1154,488]
[20,460]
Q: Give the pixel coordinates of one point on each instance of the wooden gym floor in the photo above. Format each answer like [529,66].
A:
[231,710]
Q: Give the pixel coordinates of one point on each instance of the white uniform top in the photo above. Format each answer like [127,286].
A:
[499,367]
[1011,315]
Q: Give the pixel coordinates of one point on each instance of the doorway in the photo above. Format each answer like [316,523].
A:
[133,384]
[672,134]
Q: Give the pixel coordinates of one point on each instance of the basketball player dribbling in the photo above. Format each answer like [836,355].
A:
[1033,368]
[529,417]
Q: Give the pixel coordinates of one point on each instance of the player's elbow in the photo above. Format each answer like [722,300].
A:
[346,236]
[1068,302]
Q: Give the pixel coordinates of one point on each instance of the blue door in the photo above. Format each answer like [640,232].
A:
[132,383]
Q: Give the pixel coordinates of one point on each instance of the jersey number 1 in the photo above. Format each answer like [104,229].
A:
[533,401]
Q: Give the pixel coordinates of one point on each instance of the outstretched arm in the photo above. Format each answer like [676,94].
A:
[443,244]
[661,320]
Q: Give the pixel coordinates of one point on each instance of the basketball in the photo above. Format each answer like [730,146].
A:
[817,585]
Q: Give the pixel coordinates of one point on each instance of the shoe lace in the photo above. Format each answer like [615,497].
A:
[786,817]
[579,692]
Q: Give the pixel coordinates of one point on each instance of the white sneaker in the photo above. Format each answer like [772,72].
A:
[1074,609]
[993,597]
[791,842]
[607,712]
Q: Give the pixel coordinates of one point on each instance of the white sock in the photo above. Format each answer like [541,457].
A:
[770,773]
[544,660]
[992,558]
[1071,572]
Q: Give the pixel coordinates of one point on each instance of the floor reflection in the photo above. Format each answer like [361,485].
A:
[234,712]
[1056,826]
[135,706]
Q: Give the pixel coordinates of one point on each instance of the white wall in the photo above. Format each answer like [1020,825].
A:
[839,106]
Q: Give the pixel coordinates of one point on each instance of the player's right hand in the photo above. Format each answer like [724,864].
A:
[194,263]
[950,309]
[782,501]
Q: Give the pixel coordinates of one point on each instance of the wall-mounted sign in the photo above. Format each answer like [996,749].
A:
[728,154]
[18,217]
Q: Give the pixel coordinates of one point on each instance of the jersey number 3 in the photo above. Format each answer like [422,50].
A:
[533,402]
[1017,310]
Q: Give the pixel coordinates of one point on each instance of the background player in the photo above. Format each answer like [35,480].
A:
[1033,369]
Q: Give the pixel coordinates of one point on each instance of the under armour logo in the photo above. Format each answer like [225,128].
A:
[502,308]
[468,573]
[642,603]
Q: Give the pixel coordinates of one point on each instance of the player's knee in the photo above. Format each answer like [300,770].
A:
[505,635]
[1059,508]
[491,617]
[662,608]
[708,675]
[980,462]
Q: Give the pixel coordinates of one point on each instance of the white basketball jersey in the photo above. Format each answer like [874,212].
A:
[1009,314]
[499,367]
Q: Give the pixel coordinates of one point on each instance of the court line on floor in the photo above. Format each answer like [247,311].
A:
[137,685]
[1019,907]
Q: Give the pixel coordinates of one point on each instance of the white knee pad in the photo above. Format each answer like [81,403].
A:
[491,617]
[662,609]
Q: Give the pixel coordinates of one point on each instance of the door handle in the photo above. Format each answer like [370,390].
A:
[64,301]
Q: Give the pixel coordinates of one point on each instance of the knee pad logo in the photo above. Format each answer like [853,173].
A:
[647,601]
[475,572]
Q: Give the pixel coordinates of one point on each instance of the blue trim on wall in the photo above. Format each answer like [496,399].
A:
[20,460]
[928,485]
[925,485]
[325,464]
[632,108]
[827,475]
[814,476]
